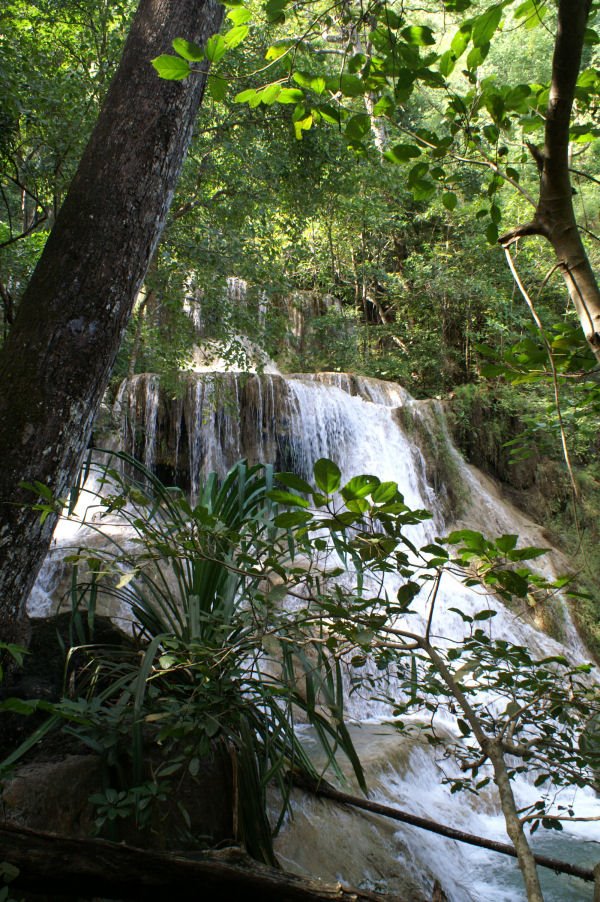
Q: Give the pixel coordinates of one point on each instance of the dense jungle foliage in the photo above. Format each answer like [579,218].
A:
[343,259]
[357,198]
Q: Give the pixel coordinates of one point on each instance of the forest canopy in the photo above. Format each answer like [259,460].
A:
[398,190]
[356,162]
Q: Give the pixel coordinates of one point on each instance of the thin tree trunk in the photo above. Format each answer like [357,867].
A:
[514,827]
[55,364]
[493,750]
[555,217]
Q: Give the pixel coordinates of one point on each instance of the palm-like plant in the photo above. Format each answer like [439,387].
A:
[222,668]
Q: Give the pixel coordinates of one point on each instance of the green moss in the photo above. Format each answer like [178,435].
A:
[485,421]
[426,422]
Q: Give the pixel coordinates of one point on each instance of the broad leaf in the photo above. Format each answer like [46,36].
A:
[327,475]
[171,68]
[188,50]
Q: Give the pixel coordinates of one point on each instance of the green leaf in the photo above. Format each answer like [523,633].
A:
[302,124]
[491,233]
[290,95]
[418,35]
[435,549]
[477,55]
[216,48]
[235,36]
[171,68]
[460,40]
[240,15]
[269,95]
[495,214]
[291,519]
[358,505]
[513,582]
[19,706]
[385,491]
[516,98]
[275,10]
[407,592]
[507,542]
[217,87]
[485,25]
[315,83]
[349,85]
[276,51]
[423,189]
[470,538]
[8,873]
[447,63]
[485,615]
[358,126]
[294,482]
[533,11]
[188,50]
[288,498]
[527,553]
[359,487]
[401,153]
[466,618]
[318,85]
[385,106]
[330,114]
[450,200]
[245,96]
[417,173]
[327,475]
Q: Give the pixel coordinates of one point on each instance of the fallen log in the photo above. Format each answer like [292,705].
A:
[86,868]
[327,791]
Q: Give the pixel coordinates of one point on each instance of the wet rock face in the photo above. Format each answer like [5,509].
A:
[49,789]
[217,418]
[212,423]
[44,673]
[53,795]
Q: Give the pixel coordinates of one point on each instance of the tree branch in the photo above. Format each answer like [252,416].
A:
[521,231]
[324,790]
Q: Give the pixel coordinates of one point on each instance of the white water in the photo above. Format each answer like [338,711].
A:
[355,422]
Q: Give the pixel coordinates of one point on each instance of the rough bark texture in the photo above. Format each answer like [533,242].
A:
[555,217]
[56,361]
[85,868]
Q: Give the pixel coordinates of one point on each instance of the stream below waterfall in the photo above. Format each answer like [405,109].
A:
[367,426]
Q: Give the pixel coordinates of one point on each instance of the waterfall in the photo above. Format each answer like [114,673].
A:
[368,426]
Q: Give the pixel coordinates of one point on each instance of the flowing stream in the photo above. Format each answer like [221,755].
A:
[368,426]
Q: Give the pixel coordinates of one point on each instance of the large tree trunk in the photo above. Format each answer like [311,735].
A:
[56,361]
[555,217]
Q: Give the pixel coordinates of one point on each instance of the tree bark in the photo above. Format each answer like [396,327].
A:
[555,217]
[492,751]
[84,868]
[55,364]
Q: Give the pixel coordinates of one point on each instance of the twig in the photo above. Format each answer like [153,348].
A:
[540,326]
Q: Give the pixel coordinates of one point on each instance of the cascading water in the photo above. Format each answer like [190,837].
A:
[366,426]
